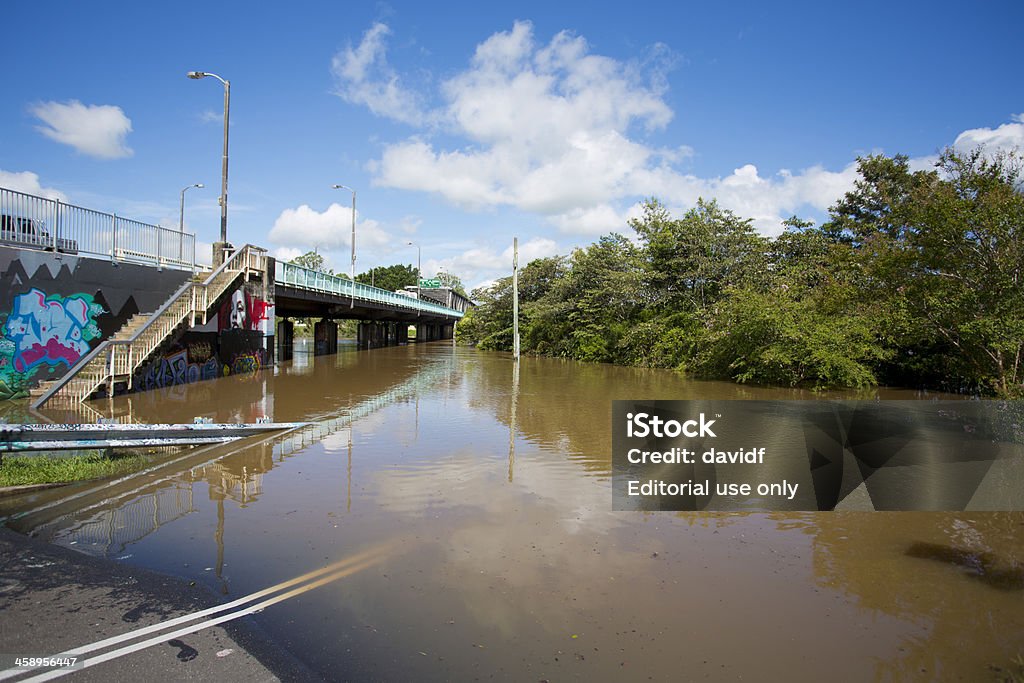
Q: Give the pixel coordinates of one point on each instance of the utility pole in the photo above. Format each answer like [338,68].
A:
[515,298]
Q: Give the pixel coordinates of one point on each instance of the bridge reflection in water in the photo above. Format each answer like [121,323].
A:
[111,519]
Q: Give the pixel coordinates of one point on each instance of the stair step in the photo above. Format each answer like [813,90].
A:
[36,392]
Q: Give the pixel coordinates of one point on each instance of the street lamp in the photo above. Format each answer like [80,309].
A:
[419,272]
[181,218]
[345,187]
[224,164]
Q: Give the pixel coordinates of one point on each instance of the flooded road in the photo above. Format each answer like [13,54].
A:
[483,498]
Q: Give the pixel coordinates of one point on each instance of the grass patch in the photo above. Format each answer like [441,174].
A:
[21,470]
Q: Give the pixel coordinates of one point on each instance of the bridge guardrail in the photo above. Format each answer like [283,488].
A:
[306,278]
[41,223]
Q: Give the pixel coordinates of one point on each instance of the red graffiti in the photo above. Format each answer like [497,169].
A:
[243,311]
[258,312]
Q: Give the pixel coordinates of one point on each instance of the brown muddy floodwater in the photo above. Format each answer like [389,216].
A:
[466,517]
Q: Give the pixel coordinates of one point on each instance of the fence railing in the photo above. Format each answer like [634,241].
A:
[41,223]
[306,278]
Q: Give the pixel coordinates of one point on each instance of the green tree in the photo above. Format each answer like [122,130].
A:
[915,278]
[392,278]
[876,206]
[489,324]
[943,249]
[453,282]
[313,261]
[781,337]
[585,313]
[692,259]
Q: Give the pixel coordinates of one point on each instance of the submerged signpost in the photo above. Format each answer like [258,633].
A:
[515,298]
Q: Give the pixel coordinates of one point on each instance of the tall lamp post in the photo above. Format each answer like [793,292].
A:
[181,218]
[345,187]
[224,165]
[419,272]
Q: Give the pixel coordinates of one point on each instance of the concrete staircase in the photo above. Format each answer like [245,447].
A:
[116,360]
[88,378]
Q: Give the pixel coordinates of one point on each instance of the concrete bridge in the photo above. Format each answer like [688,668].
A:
[93,303]
[384,316]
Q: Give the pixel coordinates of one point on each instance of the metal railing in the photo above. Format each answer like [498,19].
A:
[305,278]
[122,356]
[38,222]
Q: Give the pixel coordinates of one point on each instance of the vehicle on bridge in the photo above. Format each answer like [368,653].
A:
[31,233]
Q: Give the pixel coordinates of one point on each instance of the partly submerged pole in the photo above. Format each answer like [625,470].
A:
[515,298]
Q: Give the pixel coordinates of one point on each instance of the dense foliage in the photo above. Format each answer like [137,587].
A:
[391,278]
[916,279]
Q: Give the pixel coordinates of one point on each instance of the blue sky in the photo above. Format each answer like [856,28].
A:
[462,125]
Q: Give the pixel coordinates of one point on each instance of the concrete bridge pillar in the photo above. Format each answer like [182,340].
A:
[372,335]
[325,337]
[285,340]
[401,333]
[220,252]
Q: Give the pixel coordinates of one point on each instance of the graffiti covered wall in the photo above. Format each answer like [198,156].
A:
[54,308]
[200,356]
[235,343]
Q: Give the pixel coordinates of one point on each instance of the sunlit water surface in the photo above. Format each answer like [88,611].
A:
[486,497]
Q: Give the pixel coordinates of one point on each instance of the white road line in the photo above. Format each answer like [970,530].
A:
[340,569]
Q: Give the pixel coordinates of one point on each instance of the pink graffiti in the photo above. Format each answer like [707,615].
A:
[54,352]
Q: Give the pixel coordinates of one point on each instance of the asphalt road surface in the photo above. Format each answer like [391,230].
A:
[53,599]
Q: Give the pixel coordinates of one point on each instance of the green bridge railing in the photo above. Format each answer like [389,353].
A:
[292,275]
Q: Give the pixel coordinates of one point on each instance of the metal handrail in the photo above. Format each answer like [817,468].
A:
[74,229]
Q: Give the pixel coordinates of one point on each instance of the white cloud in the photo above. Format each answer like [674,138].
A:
[287,253]
[94,130]
[364,77]
[204,253]
[538,247]
[768,200]
[485,262]
[557,131]
[305,228]
[547,125]
[1005,138]
[28,182]
[597,220]
[410,224]
[210,116]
